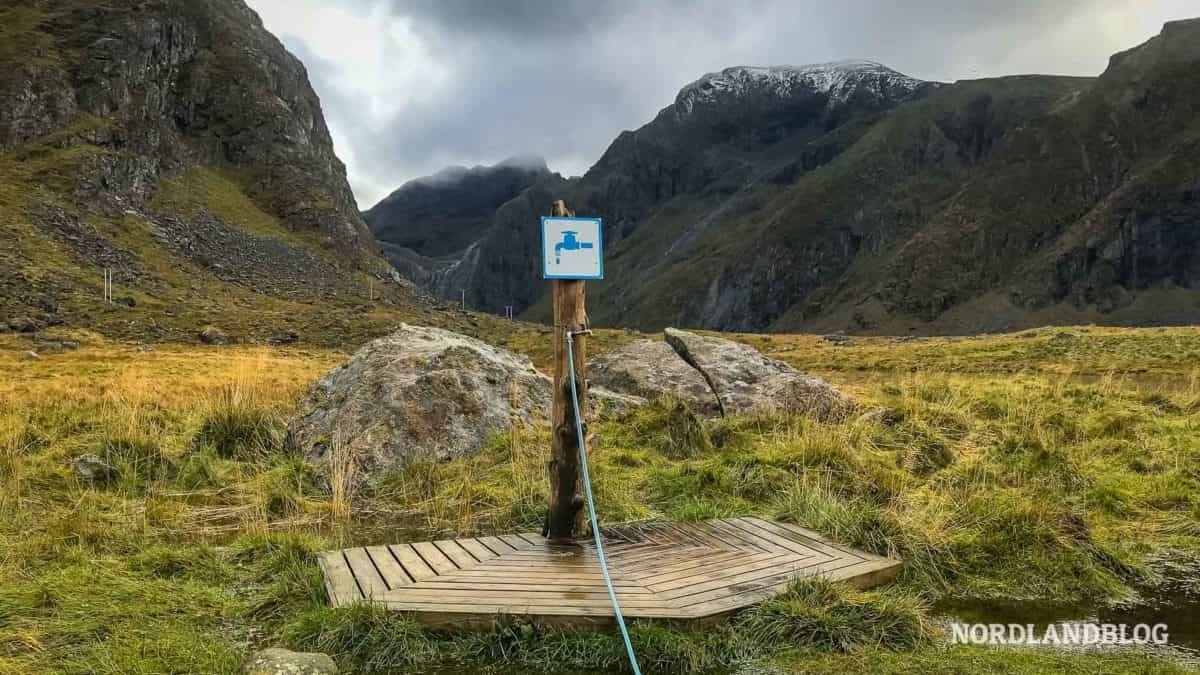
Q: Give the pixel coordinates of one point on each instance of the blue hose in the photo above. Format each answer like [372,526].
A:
[587,484]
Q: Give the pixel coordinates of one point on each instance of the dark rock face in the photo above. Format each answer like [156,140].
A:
[851,198]
[443,214]
[175,150]
[150,88]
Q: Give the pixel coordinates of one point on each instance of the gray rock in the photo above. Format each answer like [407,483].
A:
[282,337]
[55,346]
[25,324]
[649,369]
[424,392]
[276,661]
[211,335]
[30,356]
[746,382]
[839,339]
[92,469]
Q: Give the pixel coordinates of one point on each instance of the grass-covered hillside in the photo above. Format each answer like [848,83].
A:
[1059,466]
[177,146]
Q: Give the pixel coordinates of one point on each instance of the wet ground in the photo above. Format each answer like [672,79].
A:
[1174,601]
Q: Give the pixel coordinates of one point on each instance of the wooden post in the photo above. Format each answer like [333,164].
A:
[566,518]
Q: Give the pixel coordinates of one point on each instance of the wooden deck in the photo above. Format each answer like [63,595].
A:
[661,570]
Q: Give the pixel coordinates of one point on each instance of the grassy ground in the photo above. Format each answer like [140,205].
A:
[1050,466]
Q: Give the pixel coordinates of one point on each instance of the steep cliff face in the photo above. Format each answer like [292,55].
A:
[177,144]
[153,87]
[850,197]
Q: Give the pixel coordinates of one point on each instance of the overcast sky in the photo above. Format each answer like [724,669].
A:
[411,86]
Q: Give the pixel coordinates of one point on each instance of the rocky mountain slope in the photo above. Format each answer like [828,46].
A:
[178,145]
[850,197]
[429,223]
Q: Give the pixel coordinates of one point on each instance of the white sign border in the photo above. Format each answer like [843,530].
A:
[599,249]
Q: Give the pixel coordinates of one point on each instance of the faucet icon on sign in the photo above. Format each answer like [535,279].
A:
[569,243]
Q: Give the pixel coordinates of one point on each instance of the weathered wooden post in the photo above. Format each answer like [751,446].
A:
[566,518]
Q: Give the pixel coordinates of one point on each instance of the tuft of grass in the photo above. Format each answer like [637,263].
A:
[816,613]
[669,425]
[238,427]
[284,568]
[342,475]
[373,639]
[169,562]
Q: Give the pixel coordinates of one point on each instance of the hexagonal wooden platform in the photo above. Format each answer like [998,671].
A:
[660,570]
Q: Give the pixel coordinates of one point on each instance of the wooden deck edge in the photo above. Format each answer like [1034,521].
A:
[346,579]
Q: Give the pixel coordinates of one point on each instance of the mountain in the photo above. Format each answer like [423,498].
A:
[429,223]
[848,196]
[444,213]
[177,144]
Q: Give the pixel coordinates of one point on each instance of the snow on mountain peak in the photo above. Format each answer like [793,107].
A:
[838,79]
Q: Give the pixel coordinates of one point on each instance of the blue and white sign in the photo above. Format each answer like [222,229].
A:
[572,248]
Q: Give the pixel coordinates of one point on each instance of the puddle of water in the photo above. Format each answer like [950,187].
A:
[1175,602]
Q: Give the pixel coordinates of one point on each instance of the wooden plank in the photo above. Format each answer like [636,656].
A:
[516,542]
[813,550]
[769,586]
[494,610]
[413,563]
[701,536]
[339,582]
[715,537]
[739,535]
[435,558]
[369,579]
[496,545]
[686,566]
[816,537]
[688,578]
[490,577]
[393,573]
[751,579]
[530,598]
[534,538]
[477,549]
[791,540]
[457,554]
[687,534]
[595,585]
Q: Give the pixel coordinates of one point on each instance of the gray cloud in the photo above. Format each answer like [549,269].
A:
[481,81]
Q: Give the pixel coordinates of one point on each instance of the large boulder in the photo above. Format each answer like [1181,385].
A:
[424,393]
[211,335]
[277,661]
[746,382]
[419,392]
[650,369]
